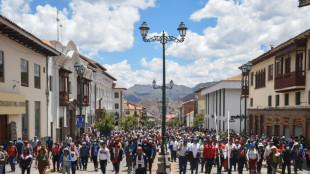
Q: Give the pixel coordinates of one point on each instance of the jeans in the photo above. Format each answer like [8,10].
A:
[73,166]
[288,168]
[25,169]
[84,162]
[182,164]
[259,165]
[194,165]
[203,162]
[141,170]
[209,163]
[173,155]
[1,168]
[94,158]
[103,165]
[116,167]
[297,165]
[55,163]
[12,162]
[241,163]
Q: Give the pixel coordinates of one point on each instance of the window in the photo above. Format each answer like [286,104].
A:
[116,106]
[270,72]
[286,102]
[287,65]
[25,122]
[260,79]
[297,98]
[24,73]
[277,100]
[251,102]
[299,66]
[270,100]
[51,83]
[37,118]
[127,112]
[1,67]
[37,76]
[116,95]
[279,67]
[252,78]
[309,96]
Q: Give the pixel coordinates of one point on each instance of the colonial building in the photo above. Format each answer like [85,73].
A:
[118,101]
[220,98]
[200,104]
[135,110]
[186,109]
[23,83]
[279,90]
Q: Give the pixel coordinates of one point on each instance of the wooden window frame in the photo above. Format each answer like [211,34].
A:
[288,65]
[269,100]
[21,81]
[37,86]
[286,99]
[270,74]
[277,100]
[2,57]
[297,98]
[252,78]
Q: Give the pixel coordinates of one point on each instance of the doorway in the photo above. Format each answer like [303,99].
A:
[3,129]
[277,130]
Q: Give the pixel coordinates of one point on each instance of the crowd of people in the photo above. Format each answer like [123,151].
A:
[234,152]
[202,149]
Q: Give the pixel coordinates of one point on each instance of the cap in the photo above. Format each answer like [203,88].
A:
[57,143]
[195,139]
[185,140]
[84,143]
[11,142]
[271,142]
[26,141]
[273,147]
[66,149]
[252,145]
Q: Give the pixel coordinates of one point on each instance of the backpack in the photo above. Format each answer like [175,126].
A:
[83,152]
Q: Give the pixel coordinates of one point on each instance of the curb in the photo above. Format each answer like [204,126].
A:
[278,170]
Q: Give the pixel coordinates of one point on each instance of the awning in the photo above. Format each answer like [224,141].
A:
[12,104]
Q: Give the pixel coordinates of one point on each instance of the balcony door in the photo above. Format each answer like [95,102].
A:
[299,64]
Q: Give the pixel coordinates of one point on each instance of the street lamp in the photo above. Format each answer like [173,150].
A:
[246,68]
[163,39]
[79,68]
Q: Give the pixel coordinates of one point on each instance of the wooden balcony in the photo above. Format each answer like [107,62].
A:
[290,82]
[245,91]
[85,100]
[63,98]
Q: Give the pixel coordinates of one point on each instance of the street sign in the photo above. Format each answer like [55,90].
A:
[303,3]
[80,121]
[232,120]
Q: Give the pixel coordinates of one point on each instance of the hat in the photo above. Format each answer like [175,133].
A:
[84,143]
[57,143]
[283,137]
[26,141]
[273,147]
[11,142]
[66,149]
[185,140]
[260,145]
[195,139]
[117,139]
[296,144]
[253,145]
[1,147]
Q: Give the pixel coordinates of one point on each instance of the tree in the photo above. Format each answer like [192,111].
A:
[198,119]
[106,122]
[128,122]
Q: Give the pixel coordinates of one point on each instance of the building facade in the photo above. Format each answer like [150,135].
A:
[185,112]
[279,90]
[23,83]
[118,101]
[223,97]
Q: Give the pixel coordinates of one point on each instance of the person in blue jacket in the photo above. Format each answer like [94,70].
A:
[84,154]
[65,161]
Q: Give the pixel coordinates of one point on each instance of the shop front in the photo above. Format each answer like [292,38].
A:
[286,126]
[11,108]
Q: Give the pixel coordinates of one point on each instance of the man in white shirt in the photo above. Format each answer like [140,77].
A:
[229,148]
[103,157]
[195,149]
[266,154]
[175,145]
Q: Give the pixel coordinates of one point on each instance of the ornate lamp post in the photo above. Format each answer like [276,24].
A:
[163,39]
[246,68]
[79,68]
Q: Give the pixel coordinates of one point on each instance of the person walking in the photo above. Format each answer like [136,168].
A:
[286,159]
[103,157]
[252,158]
[12,152]
[55,156]
[26,161]
[94,152]
[2,160]
[220,156]
[65,161]
[273,159]
[297,155]
[209,153]
[203,160]
[261,157]
[230,147]
[266,155]
[195,149]
[75,157]
[49,145]
[140,161]
[19,145]
[84,154]
[42,161]
[183,152]
[149,151]
[242,157]
[116,156]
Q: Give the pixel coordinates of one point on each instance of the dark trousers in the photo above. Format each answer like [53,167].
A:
[182,164]
[269,169]
[73,166]
[150,165]
[297,165]
[241,163]
[55,162]
[259,165]
[84,162]
[25,169]
[209,163]
[12,162]
[203,162]
[194,165]
[103,165]
[94,158]
[116,167]
[308,160]
[288,165]
[141,170]
[173,155]
[219,164]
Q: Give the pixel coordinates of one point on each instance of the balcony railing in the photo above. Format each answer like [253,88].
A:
[290,80]
[85,100]
[63,98]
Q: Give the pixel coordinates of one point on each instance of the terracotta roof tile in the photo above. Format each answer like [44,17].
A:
[117,86]
[234,78]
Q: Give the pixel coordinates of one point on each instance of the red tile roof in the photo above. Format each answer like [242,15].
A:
[117,86]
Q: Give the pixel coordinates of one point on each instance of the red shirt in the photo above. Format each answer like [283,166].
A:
[209,151]
[56,151]
[242,153]
[12,151]
[116,155]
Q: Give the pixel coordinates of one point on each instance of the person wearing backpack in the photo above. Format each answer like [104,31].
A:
[94,154]
[84,154]
[12,151]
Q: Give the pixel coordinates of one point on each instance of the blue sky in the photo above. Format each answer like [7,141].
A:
[222,34]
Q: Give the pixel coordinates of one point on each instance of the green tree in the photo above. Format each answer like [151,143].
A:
[106,122]
[128,122]
[198,118]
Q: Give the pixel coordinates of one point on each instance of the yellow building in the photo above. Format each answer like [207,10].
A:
[133,109]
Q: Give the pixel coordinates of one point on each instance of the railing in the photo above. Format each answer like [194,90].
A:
[290,80]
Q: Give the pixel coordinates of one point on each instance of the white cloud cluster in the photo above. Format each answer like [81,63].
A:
[95,25]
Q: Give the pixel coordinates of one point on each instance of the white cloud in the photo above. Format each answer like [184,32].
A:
[93,25]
